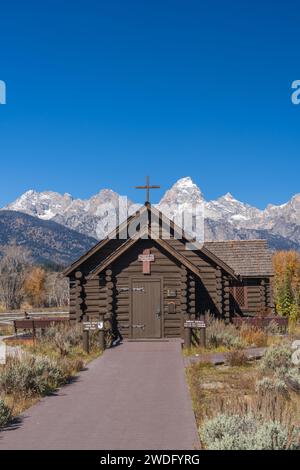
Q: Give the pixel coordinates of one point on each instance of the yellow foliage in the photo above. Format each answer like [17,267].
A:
[287,261]
[254,336]
[34,285]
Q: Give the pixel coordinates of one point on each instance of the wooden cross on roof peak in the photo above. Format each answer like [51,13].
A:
[147,187]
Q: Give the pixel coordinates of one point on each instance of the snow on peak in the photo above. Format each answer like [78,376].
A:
[89,216]
[182,192]
[229,197]
[186,181]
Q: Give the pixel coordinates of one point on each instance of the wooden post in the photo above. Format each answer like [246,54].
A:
[203,334]
[86,338]
[187,337]
[86,341]
[102,335]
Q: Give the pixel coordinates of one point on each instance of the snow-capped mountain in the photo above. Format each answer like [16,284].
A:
[92,217]
[225,217]
[185,194]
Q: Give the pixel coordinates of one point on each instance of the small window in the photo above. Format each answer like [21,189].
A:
[239,294]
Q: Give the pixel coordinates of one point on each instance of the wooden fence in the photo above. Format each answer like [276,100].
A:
[262,322]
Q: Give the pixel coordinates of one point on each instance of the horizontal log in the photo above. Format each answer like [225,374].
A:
[123,302]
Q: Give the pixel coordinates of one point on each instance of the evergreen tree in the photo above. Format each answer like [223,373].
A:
[285,296]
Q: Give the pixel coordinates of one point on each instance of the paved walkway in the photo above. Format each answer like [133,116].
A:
[133,397]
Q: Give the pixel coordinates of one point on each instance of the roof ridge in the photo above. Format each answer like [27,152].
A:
[253,240]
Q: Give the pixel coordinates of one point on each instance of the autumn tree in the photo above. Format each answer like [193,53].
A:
[34,286]
[287,282]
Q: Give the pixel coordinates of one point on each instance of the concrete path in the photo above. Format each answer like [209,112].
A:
[133,397]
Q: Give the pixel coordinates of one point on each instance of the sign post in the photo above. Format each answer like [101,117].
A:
[101,333]
[191,325]
[86,338]
[93,326]
[203,332]
[187,336]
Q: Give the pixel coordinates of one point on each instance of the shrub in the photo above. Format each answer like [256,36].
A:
[292,379]
[277,359]
[5,413]
[226,432]
[64,337]
[273,328]
[253,336]
[269,385]
[236,358]
[220,334]
[29,375]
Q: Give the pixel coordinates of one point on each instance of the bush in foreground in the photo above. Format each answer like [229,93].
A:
[236,358]
[28,375]
[220,334]
[63,337]
[226,432]
[277,359]
[5,413]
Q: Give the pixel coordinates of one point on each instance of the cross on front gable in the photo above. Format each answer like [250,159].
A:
[148,187]
[147,258]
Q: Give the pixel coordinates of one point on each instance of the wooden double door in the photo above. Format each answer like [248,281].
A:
[146,308]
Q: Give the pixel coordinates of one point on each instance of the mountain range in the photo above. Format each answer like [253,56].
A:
[86,221]
[49,243]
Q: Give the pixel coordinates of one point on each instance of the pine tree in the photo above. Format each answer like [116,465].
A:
[285,296]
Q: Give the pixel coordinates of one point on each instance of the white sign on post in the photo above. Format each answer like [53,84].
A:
[93,325]
[2,353]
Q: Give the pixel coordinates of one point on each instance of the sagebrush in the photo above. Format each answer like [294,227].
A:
[234,432]
[5,413]
[28,375]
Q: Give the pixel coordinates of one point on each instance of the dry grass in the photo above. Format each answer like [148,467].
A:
[231,390]
[197,350]
[294,331]
[73,361]
[18,404]
[253,337]
[28,308]
[6,330]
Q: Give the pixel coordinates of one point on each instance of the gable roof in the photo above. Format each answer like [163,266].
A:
[164,243]
[247,257]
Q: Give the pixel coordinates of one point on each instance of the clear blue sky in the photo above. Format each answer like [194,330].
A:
[101,93]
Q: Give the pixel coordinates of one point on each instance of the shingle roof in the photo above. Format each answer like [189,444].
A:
[246,257]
